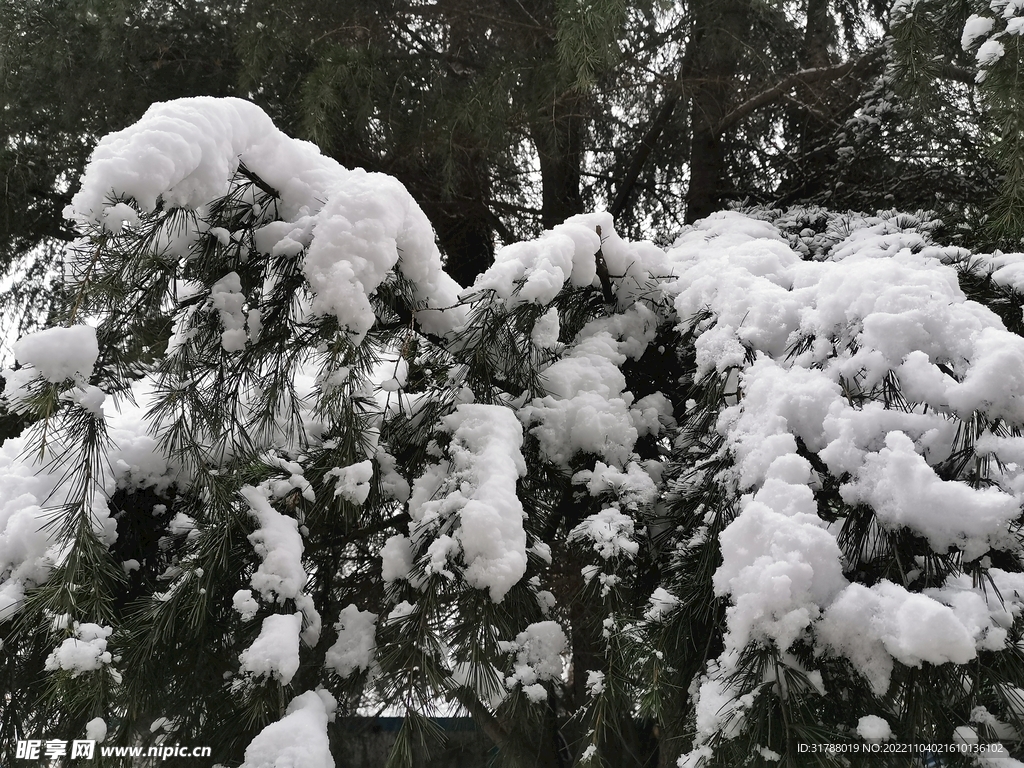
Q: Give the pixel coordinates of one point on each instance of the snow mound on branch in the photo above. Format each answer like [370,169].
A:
[59,353]
[277,541]
[356,227]
[873,626]
[96,729]
[275,652]
[480,487]
[85,652]
[905,492]
[535,271]
[226,296]
[609,532]
[779,564]
[538,650]
[974,28]
[354,648]
[353,481]
[587,408]
[1004,269]
[396,558]
[873,728]
[299,739]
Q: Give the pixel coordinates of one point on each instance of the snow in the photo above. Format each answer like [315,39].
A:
[535,271]
[976,27]
[879,306]
[400,611]
[96,730]
[392,484]
[118,216]
[586,408]
[632,488]
[779,563]
[610,533]
[58,354]
[479,486]
[275,652]
[873,728]
[89,398]
[905,492]
[297,740]
[226,297]
[246,605]
[355,646]
[538,650]
[850,360]
[993,382]
[280,575]
[356,227]
[872,626]
[660,605]
[30,488]
[545,330]
[353,481]
[396,558]
[85,652]
[989,53]
[363,230]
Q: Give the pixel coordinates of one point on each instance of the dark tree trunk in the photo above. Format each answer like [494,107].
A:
[720,27]
[558,137]
[466,236]
[812,120]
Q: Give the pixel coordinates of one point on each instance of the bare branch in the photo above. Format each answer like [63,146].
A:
[803,77]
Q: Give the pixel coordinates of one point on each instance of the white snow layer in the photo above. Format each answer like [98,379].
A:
[976,27]
[85,652]
[96,730]
[59,353]
[795,340]
[356,227]
[883,308]
[354,648]
[479,486]
[275,652]
[299,739]
[353,481]
[539,649]
[873,728]
[277,541]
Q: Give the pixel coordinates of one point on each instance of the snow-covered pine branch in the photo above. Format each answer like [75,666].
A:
[770,491]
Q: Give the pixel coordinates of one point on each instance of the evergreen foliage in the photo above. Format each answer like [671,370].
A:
[608,491]
[503,119]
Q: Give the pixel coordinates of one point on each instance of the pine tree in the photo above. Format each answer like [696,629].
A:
[756,491]
[504,118]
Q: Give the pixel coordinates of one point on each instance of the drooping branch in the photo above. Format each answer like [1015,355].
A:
[803,77]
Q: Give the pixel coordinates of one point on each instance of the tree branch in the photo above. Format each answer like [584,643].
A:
[647,144]
[370,530]
[950,71]
[488,723]
[803,77]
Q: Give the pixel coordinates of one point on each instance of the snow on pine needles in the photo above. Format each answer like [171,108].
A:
[766,479]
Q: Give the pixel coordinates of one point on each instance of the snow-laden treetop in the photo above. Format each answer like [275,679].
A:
[779,463]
